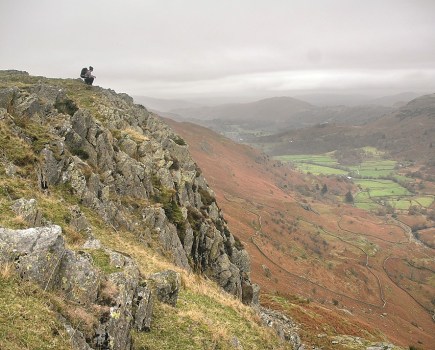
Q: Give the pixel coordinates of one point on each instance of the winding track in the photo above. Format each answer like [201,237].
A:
[381,294]
[404,227]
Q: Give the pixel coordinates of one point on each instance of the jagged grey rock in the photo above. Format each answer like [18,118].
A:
[114,330]
[78,340]
[78,220]
[36,252]
[78,278]
[167,233]
[255,294]
[143,303]
[7,96]
[39,255]
[120,165]
[28,210]
[283,326]
[166,286]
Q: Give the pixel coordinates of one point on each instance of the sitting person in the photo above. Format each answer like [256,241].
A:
[89,78]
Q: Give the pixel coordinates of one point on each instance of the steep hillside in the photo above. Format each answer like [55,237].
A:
[326,264]
[109,228]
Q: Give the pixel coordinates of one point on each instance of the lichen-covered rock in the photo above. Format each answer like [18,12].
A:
[127,165]
[28,210]
[283,326]
[79,280]
[78,220]
[166,286]
[78,340]
[143,306]
[226,274]
[255,294]
[114,329]
[36,252]
[40,256]
[6,97]
[167,233]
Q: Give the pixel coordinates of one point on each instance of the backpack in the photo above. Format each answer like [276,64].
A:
[83,72]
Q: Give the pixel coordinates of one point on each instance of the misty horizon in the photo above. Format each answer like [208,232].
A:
[245,50]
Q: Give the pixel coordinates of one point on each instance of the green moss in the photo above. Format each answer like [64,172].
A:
[102,261]
[26,321]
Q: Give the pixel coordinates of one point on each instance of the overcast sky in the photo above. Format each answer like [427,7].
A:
[202,48]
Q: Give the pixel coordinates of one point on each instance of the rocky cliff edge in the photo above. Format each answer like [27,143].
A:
[78,162]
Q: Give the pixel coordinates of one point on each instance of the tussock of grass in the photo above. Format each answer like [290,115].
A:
[205,317]
[135,135]
[26,321]
[14,148]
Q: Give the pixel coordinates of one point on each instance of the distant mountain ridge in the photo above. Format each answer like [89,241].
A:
[282,107]
[274,114]
[407,132]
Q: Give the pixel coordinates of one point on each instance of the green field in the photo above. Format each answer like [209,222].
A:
[374,168]
[374,176]
[327,159]
[320,169]
[382,188]
[424,201]
[400,203]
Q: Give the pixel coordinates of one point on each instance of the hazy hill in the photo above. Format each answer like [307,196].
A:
[408,133]
[333,99]
[307,246]
[275,114]
[397,100]
[280,107]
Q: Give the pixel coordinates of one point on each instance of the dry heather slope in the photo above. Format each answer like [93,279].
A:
[325,263]
[110,237]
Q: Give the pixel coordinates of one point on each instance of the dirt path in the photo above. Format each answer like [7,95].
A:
[259,231]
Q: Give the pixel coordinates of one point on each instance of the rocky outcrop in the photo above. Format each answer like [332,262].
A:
[286,329]
[166,285]
[29,211]
[39,255]
[127,165]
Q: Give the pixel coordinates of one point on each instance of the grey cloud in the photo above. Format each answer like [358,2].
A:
[193,47]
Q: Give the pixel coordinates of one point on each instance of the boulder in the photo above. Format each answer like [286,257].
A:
[78,278]
[36,252]
[28,210]
[285,328]
[114,330]
[166,286]
[6,97]
[78,341]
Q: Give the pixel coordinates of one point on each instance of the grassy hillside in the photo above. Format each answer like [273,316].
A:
[205,317]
